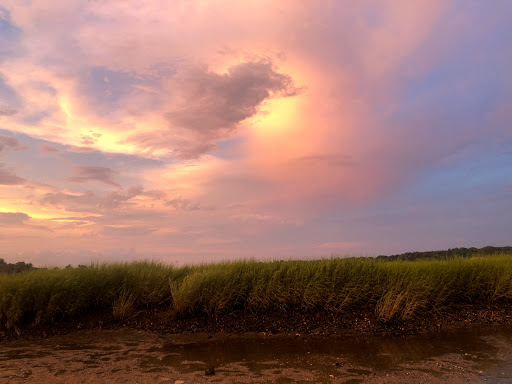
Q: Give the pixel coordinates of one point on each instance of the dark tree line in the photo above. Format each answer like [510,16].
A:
[20,266]
[448,254]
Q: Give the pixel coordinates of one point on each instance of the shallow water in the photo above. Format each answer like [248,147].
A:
[476,356]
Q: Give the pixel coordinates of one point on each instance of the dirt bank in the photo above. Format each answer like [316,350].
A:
[346,323]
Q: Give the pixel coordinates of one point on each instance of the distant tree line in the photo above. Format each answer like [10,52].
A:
[21,266]
[448,254]
[18,267]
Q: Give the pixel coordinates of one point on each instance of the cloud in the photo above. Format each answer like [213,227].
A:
[10,100]
[190,150]
[208,106]
[10,142]
[259,218]
[92,202]
[127,230]
[9,35]
[183,204]
[114,199]
[13,218]
[7,111]
[19,219]
[90,139]
[44,147]
[89,201]
[155,194]
[393,92]
[84,174]
[212,103]
[8,178]
[107,91]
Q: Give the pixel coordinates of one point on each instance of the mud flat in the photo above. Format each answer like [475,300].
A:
[479,355]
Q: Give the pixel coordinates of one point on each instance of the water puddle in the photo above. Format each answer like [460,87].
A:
[128,356]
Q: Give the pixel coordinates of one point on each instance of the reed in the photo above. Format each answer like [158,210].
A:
[391,289]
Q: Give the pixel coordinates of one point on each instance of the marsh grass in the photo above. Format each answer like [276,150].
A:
[122,306]
[391,289]
[47,295]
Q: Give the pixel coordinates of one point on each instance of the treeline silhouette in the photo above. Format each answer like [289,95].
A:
[18,267]
[447,254]
[21,266]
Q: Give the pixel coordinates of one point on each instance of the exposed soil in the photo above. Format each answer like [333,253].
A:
[157,346]
[135,356]
[348,323]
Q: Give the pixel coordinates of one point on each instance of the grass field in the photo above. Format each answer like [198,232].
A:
[392,289]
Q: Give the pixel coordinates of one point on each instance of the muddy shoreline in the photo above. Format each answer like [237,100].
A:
[347,323]
[479,355]
[469,344]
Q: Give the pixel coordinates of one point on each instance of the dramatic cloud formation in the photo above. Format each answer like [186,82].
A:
[211,105]
[191,131]
[206,107]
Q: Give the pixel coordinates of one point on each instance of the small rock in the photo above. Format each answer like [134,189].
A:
[179,382]
[209,371]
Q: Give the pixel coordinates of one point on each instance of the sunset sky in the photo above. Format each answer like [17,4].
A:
[191,130]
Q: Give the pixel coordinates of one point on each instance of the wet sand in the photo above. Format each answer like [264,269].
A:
[134,356]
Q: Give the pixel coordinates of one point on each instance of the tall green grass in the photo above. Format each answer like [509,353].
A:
[45,295]
[391,289]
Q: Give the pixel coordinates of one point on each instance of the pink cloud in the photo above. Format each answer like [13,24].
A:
[47,148]
[84,174]
[7,177]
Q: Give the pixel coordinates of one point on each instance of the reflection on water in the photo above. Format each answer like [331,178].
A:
[378,353]
[484,353]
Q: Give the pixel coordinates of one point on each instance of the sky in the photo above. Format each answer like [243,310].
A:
[193,131]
